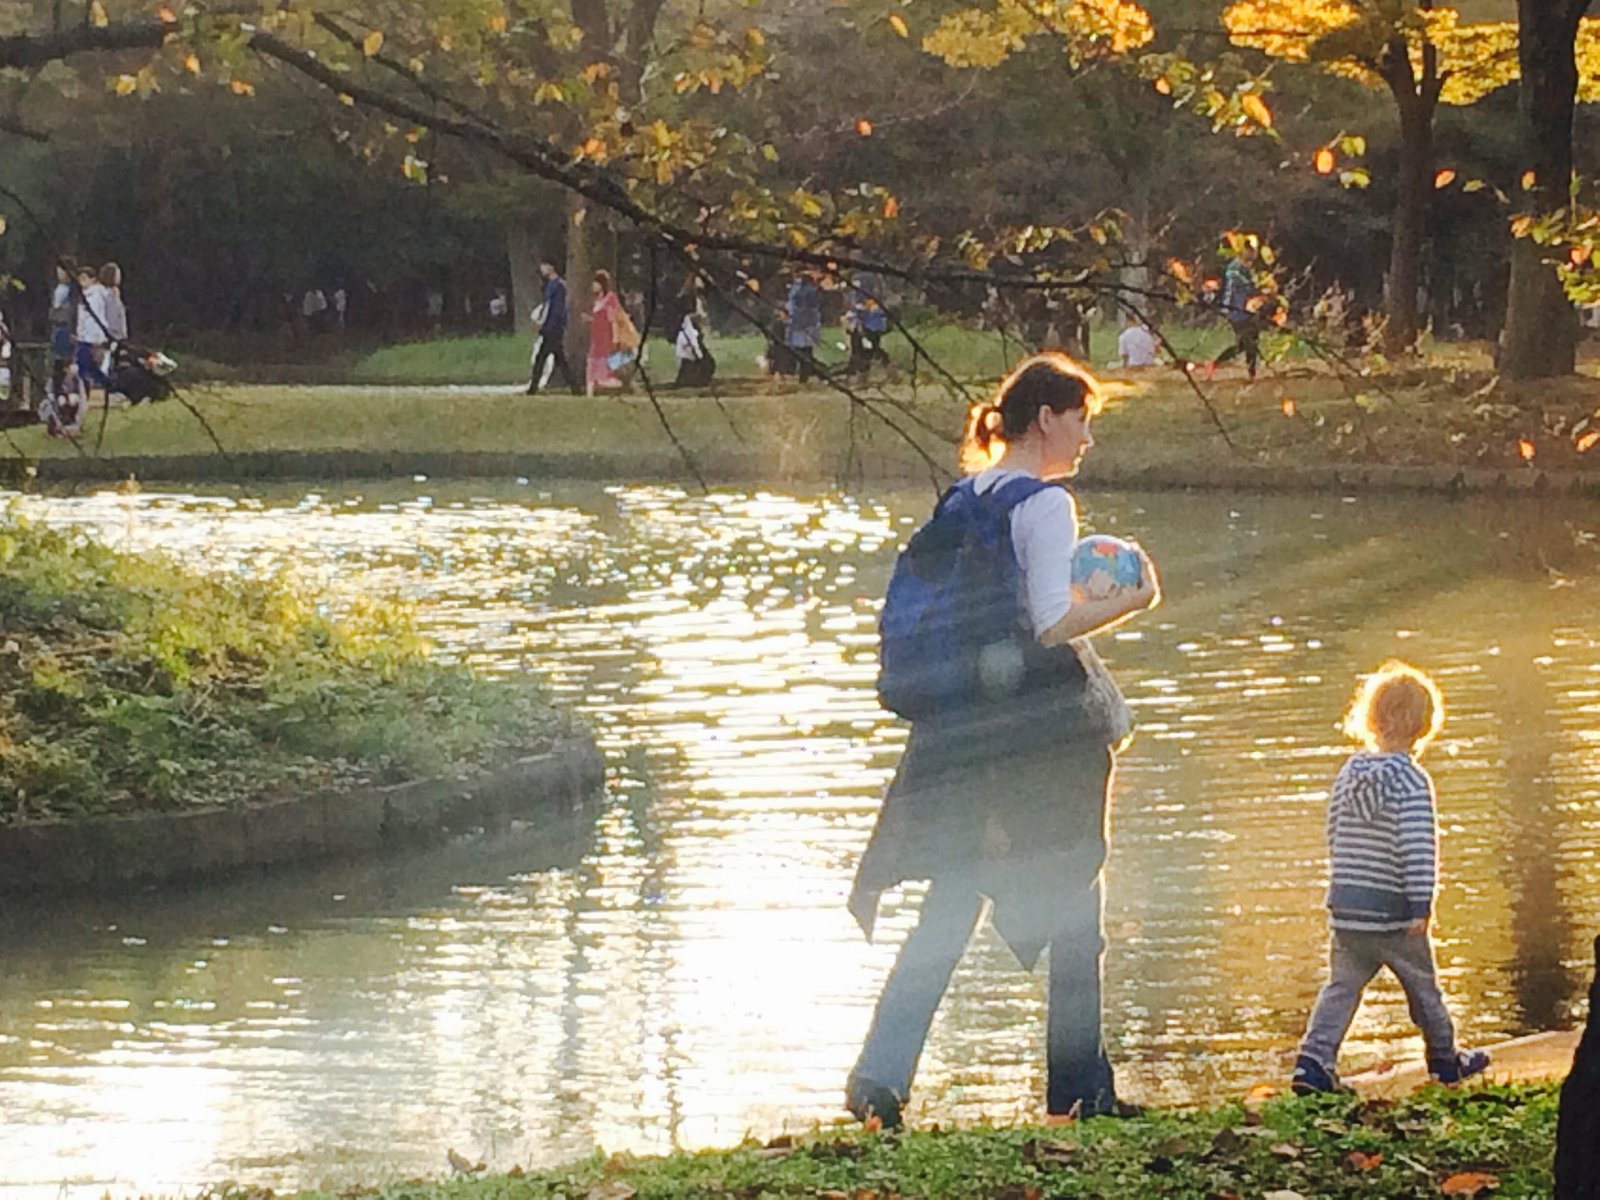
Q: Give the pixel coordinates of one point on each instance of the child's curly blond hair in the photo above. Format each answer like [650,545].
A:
[1397,705]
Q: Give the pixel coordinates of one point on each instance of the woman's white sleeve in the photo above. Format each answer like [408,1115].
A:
[1044,531]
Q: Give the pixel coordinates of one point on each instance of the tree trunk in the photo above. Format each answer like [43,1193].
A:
[525,285]
[1410,222]
[1578,1130]
[591,246]
[1541,335]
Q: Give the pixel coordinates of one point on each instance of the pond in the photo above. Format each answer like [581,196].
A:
[678,969]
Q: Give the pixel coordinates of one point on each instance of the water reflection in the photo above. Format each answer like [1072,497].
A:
[681,969]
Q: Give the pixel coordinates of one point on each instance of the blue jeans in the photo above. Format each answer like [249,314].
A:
[1078,1070]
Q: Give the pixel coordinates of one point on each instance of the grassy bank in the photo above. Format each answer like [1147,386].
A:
[128,683]
[1440,416]
[503,358]
[1465,1143]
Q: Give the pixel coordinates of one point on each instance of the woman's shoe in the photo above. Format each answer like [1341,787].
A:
[868,1099]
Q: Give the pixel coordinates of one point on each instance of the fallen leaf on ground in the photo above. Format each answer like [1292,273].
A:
[1362,1161]
[1285,1194]
[1287,1151]
[1469,1183]
[610,1189]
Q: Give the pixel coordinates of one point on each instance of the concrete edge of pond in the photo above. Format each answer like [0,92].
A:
[139,850]
[1105,472]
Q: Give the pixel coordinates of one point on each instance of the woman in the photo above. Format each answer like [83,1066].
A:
[63,313]
[613,340]
[93,330]
[1006,798]
[803,319]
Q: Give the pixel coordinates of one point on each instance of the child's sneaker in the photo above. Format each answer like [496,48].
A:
[1311,1078]
[1464,1065]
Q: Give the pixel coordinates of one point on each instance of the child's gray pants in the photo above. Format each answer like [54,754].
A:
[1353,959]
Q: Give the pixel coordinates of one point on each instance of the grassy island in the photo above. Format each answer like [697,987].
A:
[131,683]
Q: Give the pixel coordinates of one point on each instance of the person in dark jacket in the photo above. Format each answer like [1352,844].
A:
[552,331]
[1007,798]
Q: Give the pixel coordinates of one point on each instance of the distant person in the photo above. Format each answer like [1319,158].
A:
[341,304]
[866,321]
[1383,846]
[1136,345]
[63,313]
[803,313]
[94,333]
[1240,304]
[549,348]
[696,365]
[116,313]
[499,306]
[435,308]
[313,309]
[613,338]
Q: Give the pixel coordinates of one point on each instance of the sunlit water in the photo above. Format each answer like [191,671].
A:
[678,970]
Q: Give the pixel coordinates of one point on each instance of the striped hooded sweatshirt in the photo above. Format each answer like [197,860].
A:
[1383,844]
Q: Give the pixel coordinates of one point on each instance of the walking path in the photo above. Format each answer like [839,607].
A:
[1539,1058]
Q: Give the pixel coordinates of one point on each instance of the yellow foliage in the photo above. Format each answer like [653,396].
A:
[986,37]
[1349,37]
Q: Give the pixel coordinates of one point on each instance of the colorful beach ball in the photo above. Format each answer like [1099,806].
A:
[1102,564]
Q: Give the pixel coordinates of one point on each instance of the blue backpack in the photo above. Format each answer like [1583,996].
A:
[950,637]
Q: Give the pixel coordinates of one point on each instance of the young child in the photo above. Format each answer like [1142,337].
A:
[1383,847]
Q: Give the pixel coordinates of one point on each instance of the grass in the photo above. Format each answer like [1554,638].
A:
[1446,411]
[132,683]
[503,358]
[1438,1142]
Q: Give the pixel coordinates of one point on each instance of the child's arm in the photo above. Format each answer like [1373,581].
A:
[1419,845]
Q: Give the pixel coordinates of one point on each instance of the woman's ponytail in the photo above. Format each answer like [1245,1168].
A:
[1050,380]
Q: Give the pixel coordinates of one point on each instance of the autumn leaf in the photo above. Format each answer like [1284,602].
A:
[1256,109]
[1526,449]
[1163,85]
[891,208]
[898,24]
[1578,255]
[1180,270]
[864,127]
[1530,180]
[1469,1183]
[125,85]
[1444,178]
[191,64]
[97,15]
[1325,161]
[1587,442]
[1362,1161]
[240,87]
[1283,1194]
[1288,406]
[1521,225]
[1287,1151]
[166,16]
[372,43]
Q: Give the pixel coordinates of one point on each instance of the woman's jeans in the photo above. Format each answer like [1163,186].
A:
[1078,1068]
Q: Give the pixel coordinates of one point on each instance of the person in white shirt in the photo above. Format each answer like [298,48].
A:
[1003,803]
[93,330]
[1136,345]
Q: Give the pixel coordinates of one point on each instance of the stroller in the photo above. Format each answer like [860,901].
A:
[137,374]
